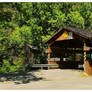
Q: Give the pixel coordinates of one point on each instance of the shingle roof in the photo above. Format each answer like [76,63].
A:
[87,34]
[83,32]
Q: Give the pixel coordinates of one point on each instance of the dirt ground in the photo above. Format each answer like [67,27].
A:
[54,79]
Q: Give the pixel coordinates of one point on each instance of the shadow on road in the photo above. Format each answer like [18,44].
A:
[20,78]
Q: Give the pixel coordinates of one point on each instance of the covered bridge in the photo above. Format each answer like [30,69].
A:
[70,48]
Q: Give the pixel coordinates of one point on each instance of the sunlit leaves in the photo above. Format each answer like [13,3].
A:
[74,19]
[33,23]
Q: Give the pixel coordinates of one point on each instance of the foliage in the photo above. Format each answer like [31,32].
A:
[33,23]
[75,19]
[16,67]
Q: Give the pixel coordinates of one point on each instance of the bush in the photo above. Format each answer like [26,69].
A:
[5,66]
[16,67]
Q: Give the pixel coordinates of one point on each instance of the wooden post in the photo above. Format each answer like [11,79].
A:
[48,59]
[49,54]
[84,56]
[74,55]
[91,56]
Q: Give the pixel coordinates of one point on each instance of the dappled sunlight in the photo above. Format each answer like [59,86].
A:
[20,78]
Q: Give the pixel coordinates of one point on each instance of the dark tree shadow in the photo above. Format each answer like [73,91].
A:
[20,78]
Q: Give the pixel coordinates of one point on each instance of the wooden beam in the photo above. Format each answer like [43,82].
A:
[86,48]
[84,55]
[49,59]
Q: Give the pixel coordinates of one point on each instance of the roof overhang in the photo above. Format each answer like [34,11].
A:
[69,29]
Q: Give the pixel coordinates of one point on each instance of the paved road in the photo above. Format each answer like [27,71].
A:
[47,79]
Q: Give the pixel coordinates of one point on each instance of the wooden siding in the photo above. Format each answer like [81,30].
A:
[63,36]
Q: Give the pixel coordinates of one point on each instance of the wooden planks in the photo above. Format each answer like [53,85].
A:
[63,36]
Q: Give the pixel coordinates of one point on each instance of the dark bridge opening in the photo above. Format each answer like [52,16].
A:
[69,54]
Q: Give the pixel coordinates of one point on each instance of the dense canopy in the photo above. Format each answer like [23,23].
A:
[33,23]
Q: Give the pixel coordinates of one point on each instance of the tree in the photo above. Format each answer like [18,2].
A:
[74,19]
[34,23]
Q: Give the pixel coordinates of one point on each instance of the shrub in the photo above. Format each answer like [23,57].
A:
[16,67]
[5,67]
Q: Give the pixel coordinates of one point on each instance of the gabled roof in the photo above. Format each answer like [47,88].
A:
[87,34]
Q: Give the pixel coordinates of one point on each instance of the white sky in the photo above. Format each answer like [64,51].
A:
[45,0]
